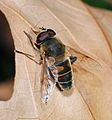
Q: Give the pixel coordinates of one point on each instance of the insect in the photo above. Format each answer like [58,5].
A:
[57,69]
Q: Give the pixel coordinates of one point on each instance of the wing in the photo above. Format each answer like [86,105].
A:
[47,81]
[80,57]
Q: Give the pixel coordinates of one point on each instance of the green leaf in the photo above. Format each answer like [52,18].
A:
[99,4]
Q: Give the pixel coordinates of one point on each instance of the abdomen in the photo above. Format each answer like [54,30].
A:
[64,73]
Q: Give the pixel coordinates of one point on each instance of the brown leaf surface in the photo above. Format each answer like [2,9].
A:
[88,32]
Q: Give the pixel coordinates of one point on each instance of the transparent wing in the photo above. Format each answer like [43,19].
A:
[47,80]
[80,56]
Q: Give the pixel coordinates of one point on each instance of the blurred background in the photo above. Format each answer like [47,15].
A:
[105,4]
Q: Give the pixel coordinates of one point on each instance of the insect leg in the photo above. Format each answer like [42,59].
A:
[42,78]
[33,44]
[30,38]
[29,56]
[34,31]
[42,28]
[54,75]
[24,53]
[59,86]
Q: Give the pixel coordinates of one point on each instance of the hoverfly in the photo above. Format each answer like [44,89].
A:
[57,69]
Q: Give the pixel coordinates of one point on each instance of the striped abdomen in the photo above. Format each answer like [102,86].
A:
[64,73]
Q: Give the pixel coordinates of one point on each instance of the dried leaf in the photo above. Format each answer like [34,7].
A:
[88,34]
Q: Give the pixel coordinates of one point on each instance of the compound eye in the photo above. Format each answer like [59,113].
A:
[45,35]
[51,32]
[42,36]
